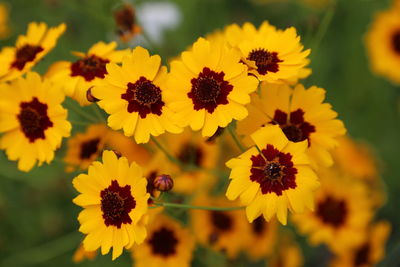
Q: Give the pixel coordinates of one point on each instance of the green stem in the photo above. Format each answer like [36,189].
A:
[165,151]
[235,138]
[322,30]
[186,206]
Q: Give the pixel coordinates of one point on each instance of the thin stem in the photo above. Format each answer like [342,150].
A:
[235,138]
[98,113]
[186,206]
[165,151]
[322,30]
[81,112]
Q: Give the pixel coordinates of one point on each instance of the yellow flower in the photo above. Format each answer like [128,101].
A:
[77,77]
[84,148]
[32,120]
[30,48]
[224,231]
[288,253]
[4,29]
[343,211]
[168,244]
[81,254]
[272,55]
[383,44]
[133,95]
[301,114]
[370,252]
[208,87]
[114,198]
[273,177]
[262,238]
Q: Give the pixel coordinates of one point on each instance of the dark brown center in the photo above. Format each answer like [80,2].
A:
[209,90]
[116,203]
[295,127]
[221,221]
[396,41]
[90,67]
[361,257]
[33,119]
[25,54]
[190,154]
[89,148]
[265,61]
[143,97]
[332,211]
[273,170]
[163,242]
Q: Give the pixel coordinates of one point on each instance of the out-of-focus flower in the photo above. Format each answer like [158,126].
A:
[288,253]
[81,254]
[272,55]
[125,20]
[77,77]
[208,87]
[134,96]
[32,120]
[383,44]
[342,213]
[273,177]
[84,148]
[28,50]
[113,195]
[301,114]
[224,231]
[4,27]
[262,238]
[369,252]
[167,244]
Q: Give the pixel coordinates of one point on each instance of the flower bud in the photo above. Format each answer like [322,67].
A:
[90,97]
[117,153]
[163,183]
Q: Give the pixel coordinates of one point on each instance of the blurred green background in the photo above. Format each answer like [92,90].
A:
[38,225]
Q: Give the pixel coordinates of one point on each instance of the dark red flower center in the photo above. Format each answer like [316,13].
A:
[361,257]
[190,154]
[294,127]
[116,203]
[89,148]
[273,170]
[332,211]
[265,61]
[259,225]
[163,242]
[143,97]
[25,54]
[209,90]
[221,221]
[33,119]
[396,41]
[90,67]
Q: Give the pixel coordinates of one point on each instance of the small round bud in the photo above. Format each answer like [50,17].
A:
[163,183]
[117,153]
[90,97]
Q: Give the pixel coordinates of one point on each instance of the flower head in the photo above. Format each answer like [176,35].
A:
[273,177]
[113,195]
[133,95]
[32,120]
[29,49]
[209,87]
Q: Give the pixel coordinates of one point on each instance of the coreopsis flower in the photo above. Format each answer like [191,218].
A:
[114,201]
[384,55]
[343,211]
[125,21]
[224,231]
[4,27]
[209,87]
[370,252]
[273,177]
[288,253]
[272,55]
[133,94]
[168,244]
[84,148]
[32,120]
[28,50]
[301,114]
[264,234]
[79,76]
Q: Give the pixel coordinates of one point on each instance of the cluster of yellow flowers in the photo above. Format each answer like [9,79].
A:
[284,142]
